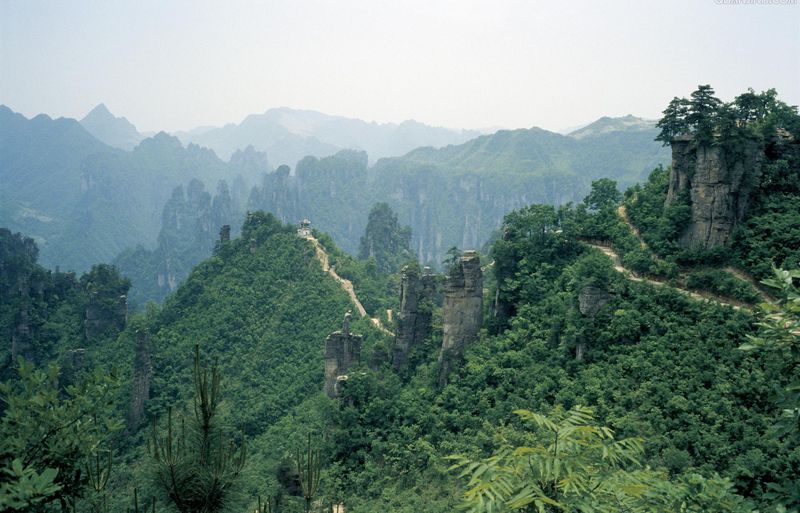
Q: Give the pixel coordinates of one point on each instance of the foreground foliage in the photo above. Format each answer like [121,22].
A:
[198,469]
[565,462]
[48,436]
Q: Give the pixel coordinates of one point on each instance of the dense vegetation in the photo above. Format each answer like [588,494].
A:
[657,365]
[43,313]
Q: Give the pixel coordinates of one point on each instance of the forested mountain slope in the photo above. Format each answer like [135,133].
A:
[552,380]
[47,316]
[42,170]
[262,306]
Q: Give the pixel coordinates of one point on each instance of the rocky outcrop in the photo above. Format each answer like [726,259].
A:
[717,181]
[142,370]
[591,300]
[22,337]
[104,315]
[72,363]
[225,233]
[342,352]
[462,312]
[29,291]
[415,315]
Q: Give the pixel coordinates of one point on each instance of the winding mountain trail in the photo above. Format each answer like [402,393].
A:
[347,285]
[735,272]
[623,214]
[617,263]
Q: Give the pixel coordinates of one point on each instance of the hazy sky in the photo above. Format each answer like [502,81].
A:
[169,64]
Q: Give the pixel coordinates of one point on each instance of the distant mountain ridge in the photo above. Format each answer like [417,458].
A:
[607,124]
[114,131]
[457,195]
[287,135]
[84,201]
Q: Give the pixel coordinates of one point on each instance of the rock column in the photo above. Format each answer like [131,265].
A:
[718,182]
[342,352]
[462,312]
[225,233]
[142,370]
[21,337]
[590,301]
[415,315]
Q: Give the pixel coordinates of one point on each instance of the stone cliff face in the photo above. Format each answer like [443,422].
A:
[29,289]
[342,352]
[104,315]
[142,371]
[717,183]
[72,363]
[462,312]
[443,211]
[21,337]
[415,315]
[192,223]
[590,301]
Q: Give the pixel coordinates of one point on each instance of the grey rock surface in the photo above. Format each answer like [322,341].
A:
[462,312]
[718,183]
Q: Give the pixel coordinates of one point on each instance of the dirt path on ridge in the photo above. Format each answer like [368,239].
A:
[740,274]
[347,285]
[617,263]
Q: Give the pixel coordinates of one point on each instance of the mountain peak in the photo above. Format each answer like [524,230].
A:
[112,130]
[606,124]
[100,110]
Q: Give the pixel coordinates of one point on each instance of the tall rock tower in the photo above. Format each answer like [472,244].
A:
[462,312]
[415,316]
[718,181]
[142,371]
[342,352]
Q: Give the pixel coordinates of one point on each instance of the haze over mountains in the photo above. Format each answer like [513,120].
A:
[85,201]
[114,131]
[457,195]
[287,135]
[89,190]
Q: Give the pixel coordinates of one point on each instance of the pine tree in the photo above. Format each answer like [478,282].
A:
[199,469]
[673,123]
[702,115]
[308,471]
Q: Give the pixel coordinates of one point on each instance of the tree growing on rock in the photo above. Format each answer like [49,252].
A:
[673,123]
